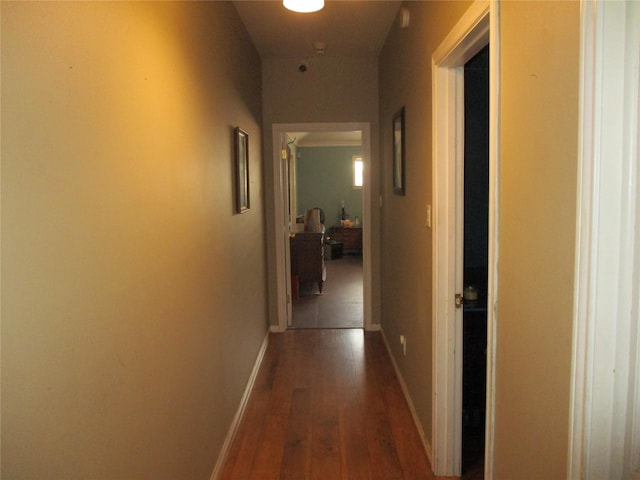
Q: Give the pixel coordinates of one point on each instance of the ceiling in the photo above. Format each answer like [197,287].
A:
[348,28]
[326,139]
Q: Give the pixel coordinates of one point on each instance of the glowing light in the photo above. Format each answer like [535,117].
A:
[358,169]
[303,6]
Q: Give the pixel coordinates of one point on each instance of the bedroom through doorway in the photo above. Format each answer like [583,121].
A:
[325,179]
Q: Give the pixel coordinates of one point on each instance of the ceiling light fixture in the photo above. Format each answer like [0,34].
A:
[303,6]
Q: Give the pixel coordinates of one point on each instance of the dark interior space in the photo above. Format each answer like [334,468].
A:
[476,221]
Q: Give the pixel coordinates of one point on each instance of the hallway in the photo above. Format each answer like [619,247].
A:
[137,291]
[327,405]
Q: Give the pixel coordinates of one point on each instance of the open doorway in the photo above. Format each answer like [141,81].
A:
[284,226]
[475,30]
[325,178]
[475,263]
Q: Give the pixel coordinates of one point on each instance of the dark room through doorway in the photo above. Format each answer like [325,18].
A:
[475,275]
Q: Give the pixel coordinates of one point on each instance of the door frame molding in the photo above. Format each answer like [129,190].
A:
[282,232]
[477,28]
[604,438]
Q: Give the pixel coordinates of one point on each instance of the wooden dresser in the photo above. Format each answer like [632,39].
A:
[307,258]
[350,237]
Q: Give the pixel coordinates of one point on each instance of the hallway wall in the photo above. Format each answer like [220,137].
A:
[538,176]
[539,108]
[325,180]
[405,80]
[134,300]
[334,89]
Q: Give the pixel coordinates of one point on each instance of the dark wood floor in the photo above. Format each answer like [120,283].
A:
[326,405]
[340,305]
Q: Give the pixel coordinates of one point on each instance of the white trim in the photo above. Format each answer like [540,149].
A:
[494,244]
[473,31]
[281,274]
[283,284]
[290,207]
[414,414]
[582,301]
[235,423]
[467,37]
[604,438]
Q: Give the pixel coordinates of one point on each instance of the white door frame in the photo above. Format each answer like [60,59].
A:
[604,435]
[477,28]
[282,229]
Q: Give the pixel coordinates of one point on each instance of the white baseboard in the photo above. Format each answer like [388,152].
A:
[425,443]
[224,452]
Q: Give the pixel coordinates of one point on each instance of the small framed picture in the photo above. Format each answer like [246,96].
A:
[241,152]
[398,153]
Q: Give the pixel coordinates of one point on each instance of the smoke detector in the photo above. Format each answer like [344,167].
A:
[319,47]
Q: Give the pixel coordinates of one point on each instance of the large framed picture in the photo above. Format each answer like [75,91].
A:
[398,153]
[241,149]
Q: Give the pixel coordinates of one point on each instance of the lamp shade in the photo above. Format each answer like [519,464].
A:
[303,6]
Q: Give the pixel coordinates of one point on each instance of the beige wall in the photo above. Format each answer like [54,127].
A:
[133,299]
[334,90]
[538,172]
[405,80]
[539,112]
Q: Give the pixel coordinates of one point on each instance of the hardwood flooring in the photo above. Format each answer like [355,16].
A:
[326,405]
[340,305]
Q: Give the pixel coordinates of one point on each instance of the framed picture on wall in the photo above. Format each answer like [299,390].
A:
[398,153]
[241,160]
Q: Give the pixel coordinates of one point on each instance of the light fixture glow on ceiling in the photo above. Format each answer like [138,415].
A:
[303,6]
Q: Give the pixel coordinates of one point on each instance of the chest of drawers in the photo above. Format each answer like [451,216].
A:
[350,237]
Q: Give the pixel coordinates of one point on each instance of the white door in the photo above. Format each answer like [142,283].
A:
[285,181]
